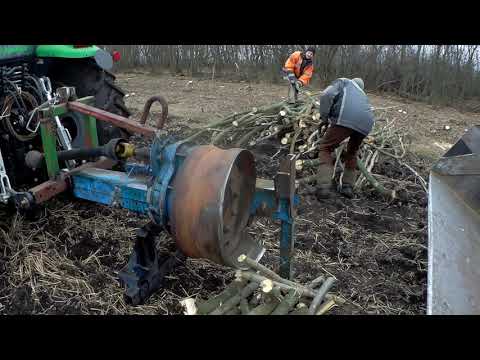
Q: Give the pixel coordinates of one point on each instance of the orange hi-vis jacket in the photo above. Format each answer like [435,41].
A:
[302,72]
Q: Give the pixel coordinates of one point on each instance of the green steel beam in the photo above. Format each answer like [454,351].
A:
[49,142]
[91,140]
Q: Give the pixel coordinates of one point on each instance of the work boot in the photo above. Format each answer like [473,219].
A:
[347,190]
[349,176]
[348,180]
[324,181]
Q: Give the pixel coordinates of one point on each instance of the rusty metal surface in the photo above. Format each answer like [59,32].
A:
[213,191]
[285,181]
[146,111]
[47,190]
[114,119]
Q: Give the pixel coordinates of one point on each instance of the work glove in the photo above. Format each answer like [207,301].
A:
[298,85]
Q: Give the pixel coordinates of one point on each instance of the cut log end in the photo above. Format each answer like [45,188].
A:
[190,306]
[299,165]
[326,307]
[242,258]
[267,286]
[302,148]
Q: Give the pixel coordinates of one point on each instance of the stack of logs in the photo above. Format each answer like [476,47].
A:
[258,290]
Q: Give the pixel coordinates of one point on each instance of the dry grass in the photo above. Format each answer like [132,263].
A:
[67,262]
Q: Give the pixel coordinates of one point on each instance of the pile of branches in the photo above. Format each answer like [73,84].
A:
[277,121]
[385,140]
[295,130]
[260,291]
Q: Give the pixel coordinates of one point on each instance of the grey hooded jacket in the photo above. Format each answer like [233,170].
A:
[344,103]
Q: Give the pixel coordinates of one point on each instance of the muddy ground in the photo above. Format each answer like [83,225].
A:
[67,261]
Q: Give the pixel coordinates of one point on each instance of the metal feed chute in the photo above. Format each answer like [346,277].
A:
[454,229]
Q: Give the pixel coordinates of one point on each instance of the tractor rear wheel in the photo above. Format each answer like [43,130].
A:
[90,80]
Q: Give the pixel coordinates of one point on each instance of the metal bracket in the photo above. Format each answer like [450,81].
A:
[5,187]
[285,181]
[145,270]
[64,136]
[285,192]
[162,159]
[65,94]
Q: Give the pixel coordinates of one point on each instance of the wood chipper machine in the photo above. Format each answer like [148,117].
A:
[454,230]
[204,196]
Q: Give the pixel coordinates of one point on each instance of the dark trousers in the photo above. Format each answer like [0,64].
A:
[292,93]
[292,90]
[330,141]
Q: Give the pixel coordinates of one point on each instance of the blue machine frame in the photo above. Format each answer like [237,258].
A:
[145,189]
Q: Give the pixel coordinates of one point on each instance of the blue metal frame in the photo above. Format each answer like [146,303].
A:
[134,169]
[278,209]
[163,160]
[146,189]
[111,188]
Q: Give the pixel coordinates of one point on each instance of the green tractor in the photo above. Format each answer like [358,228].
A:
[29,75]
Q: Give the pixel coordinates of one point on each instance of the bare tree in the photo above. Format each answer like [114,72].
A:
[439,74]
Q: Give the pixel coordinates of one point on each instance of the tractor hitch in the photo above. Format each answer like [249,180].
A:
[203,196]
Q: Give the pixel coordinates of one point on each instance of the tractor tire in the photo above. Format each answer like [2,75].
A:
[90,80]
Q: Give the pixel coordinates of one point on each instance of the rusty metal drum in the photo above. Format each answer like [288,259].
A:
[212,194]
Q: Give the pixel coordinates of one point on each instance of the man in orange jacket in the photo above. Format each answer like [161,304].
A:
[299,69]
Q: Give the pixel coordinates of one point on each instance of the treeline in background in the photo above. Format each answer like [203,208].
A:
[438,74]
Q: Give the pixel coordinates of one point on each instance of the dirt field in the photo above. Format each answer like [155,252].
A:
[67,262]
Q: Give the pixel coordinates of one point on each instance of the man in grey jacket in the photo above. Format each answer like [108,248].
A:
[345,106]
